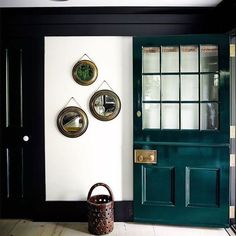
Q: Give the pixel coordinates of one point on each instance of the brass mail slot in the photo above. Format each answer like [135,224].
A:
[145,156]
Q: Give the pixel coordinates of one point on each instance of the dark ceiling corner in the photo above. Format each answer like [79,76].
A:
[225,13]
[227,3]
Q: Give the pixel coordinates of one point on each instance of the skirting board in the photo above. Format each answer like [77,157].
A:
[77,211]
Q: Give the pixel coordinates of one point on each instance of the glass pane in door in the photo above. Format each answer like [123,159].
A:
[208,58]
[170,116]
[170,87]
[151,88]
[189,88]
[209,87]
[189,116]
[169,59]
[151,60]
[151,116]
[189,58]
[209,116]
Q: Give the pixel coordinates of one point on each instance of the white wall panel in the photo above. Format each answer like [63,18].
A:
[104,152]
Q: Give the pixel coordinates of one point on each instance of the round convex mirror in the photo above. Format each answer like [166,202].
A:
[85,72]
[72,122]
[105,105]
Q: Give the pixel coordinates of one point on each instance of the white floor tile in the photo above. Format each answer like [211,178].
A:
[139,229]
[162,230]
[29,228]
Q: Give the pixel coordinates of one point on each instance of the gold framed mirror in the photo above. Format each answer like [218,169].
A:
[72,122]
[85,72]
[105,105]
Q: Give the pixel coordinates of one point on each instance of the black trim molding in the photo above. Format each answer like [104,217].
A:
[77,211]
[61,211]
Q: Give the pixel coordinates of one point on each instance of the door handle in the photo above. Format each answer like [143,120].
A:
[145,156]
[26,138]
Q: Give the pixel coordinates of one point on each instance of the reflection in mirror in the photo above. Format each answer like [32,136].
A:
[105,105]
[85,72]
[72,122]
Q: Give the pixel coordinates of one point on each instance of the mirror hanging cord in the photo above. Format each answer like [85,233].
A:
[86,55]
[104,82]
[72,98]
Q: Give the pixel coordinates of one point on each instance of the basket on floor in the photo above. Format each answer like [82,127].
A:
[100,211]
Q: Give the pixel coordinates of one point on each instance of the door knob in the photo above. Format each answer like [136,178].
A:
[26,138]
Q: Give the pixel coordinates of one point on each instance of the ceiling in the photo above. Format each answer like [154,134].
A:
[101,3]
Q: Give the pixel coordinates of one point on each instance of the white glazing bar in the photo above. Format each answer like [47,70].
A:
[7,89]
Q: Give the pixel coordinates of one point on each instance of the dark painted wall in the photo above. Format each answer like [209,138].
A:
[110,21]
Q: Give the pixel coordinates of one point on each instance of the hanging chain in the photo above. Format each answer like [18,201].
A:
[85,55]
[104,82]
[72,98]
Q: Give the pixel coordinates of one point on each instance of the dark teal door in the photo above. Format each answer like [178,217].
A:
[181,114]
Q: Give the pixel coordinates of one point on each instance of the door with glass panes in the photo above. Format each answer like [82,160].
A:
[181,130]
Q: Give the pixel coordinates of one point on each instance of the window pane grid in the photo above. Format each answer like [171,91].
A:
[202,78]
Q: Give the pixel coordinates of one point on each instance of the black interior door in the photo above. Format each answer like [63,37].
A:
[21,115]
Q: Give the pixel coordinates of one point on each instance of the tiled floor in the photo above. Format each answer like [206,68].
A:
[29,228]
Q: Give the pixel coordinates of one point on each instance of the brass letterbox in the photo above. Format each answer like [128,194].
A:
[145,156]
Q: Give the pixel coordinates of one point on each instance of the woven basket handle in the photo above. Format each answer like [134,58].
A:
[100,184]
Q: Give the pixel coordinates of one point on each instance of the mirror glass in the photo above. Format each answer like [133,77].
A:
[105,105]
[85,72]
[72,122]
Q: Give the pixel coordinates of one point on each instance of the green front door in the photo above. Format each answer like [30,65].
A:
[181,130]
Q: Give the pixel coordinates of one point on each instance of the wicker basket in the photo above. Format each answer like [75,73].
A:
[100,211]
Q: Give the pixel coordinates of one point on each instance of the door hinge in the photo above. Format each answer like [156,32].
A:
[232,160]
[232,50]
[232,212]
[232,131]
